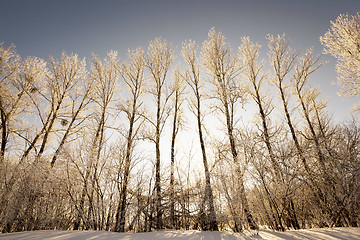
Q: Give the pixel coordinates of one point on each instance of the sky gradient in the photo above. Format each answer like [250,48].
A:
[42,27]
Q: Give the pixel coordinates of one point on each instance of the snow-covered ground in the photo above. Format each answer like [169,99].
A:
[323,234]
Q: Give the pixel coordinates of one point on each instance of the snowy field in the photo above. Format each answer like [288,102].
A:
[322,234]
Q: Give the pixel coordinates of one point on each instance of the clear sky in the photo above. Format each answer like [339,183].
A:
[47,27]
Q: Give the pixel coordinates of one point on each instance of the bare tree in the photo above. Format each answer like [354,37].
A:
[10,95]
[133,74]
[307,98]
[312,112]
[105,75]
[158,60]
[20,82]
[223,69]
[249,53]
[345,171]
[177,123]
[64,78]
[253,71]
[59,168]
[47,98]
[75,114]
[282,59]
[192,78]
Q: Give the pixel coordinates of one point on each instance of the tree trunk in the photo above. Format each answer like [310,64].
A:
[208,190]
[159,223]
[123,194]
[172,159]
[4,133]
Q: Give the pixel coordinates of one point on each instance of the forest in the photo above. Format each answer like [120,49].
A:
[83,141]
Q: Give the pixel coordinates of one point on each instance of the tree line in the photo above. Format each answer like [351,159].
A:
[71,152]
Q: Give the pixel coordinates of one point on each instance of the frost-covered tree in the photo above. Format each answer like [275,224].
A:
[223,69]
[19,89]
[192,78]
[65,75]
[307,97]
[73,117]
[342,41]
[158,60]
[132,73]
[104,75]
[177,124]
[60,168]
[253,72]
[20,82]
[282,59]
[9,94]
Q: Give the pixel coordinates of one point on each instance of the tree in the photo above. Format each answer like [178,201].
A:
[307,98]
[342,41]
[47,91]
[253,72]
[345,171]
[64,164]
[105,76]
[19,85]
[177,123]
[223,69]
[192,78]
[9,93]
[312,108]
[158,60]
[75,114]
[65,75]
[282,59]
[133,74]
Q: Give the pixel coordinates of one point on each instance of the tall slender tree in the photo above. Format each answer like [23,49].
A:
[105,75]
[223,69]
[178,99]
[253,72]
[192,78]
[158,60]
[282,59]
[132,73]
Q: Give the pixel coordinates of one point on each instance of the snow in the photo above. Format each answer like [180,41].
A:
[309,234]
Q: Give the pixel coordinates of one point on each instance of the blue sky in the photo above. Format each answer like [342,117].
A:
[47,27]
